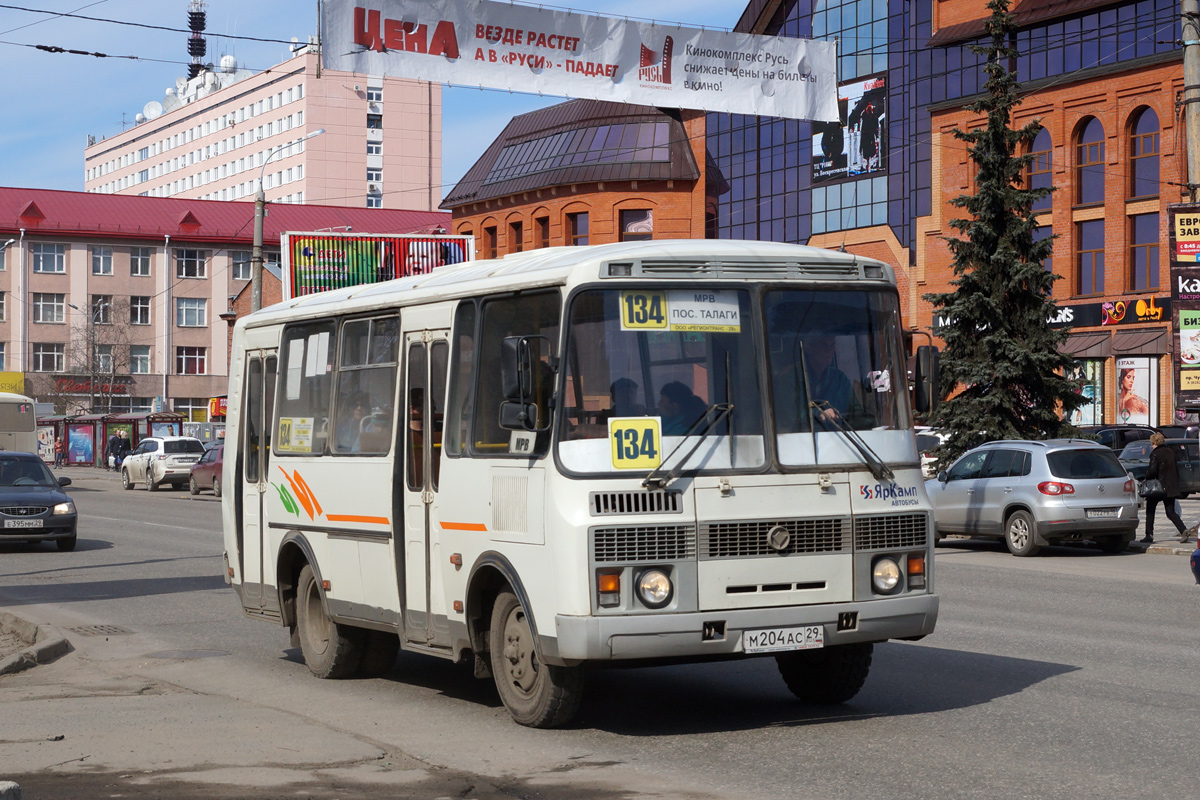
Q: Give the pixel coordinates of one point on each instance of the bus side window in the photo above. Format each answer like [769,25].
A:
[524,315]
[301,424]
[366,385]
[463,378]
[439,355]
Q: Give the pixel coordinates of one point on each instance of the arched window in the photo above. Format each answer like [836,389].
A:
[1038,174]
[1089,163]
[1143,155]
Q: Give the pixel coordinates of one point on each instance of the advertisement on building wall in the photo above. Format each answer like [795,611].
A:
[1089,374]
[1184,232]
[557,52]
[1136,391]
[856,145]
[318,262]
[13,382]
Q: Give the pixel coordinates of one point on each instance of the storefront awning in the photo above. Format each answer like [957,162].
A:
[1140,342]
[1088,344]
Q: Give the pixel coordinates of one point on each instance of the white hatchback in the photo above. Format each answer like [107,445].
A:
[161,459]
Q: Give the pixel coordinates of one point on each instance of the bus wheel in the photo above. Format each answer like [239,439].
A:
[826,676]
[330,650]
[379,654]
[535,694]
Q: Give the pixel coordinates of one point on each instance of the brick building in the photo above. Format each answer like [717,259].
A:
[585,172]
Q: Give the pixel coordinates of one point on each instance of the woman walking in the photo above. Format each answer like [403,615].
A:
[1162,466]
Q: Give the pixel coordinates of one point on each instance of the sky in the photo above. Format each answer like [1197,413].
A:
[51,102]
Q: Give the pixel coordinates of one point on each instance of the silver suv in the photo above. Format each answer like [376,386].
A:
[1037,493]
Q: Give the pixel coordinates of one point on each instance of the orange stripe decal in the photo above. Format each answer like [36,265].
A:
[356,518]
[464,526]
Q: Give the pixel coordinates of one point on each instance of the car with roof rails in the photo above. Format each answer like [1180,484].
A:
[1117,436]
[161,459]
[1037,493]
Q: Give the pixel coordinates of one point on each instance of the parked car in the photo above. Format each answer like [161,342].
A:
[206,473]
[1179,431]
[1136,457]
[1032,494]
[1117,436]
[161,459]
[33,505]
[928,440]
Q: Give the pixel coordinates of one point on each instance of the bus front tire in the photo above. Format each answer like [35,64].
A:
[537,695]
[828,675]
[330,650]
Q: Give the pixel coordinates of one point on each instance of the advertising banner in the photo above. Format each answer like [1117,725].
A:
[551,51]
[1090,376]
[1135,391]
[79,444]
[1184,232]
[856,145]
[318,262]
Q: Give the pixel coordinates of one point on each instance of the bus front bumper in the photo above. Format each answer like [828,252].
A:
[650,636]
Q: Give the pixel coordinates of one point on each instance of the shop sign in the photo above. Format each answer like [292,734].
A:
[217,406]
[77,386]
[1185,292]
[1091,315]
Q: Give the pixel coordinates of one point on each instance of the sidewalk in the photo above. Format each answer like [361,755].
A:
[1166,538]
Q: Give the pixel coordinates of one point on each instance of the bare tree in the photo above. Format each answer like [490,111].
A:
[99,350]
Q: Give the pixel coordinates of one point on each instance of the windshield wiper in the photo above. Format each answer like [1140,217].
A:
[653,481]
[880,470]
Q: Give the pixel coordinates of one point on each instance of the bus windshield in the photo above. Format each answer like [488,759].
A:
[848,343]
[626,358]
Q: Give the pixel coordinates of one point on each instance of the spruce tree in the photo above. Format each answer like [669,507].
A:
[1001,365]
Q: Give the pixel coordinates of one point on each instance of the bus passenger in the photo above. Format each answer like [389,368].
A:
[624,401]
[348,430]
[680,408]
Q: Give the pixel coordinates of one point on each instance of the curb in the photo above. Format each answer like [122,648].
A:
[46,645]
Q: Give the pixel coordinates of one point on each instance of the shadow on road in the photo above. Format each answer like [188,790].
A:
[87,591]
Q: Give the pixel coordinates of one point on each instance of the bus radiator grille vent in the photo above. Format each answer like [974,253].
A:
[890,531]
[605,504]
[22,511]
[643,543]
[751,538]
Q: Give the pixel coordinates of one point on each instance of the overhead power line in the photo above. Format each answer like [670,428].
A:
[143,25]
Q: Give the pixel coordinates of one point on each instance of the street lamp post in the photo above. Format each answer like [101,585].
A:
[260,211]
[92,353]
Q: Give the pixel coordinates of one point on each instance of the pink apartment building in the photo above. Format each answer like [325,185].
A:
[213,136]
[118,299]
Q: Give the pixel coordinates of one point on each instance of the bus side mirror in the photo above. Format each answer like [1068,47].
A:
[516,379]
[927,379]
[519,417]
[526,380]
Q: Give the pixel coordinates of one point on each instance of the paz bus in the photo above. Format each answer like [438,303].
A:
[18,423]
[634,453]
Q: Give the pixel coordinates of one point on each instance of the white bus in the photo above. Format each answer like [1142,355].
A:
[18,423]
[638,452]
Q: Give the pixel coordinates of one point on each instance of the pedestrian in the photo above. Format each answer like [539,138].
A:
[114,442]
[60,452]
[1163,466]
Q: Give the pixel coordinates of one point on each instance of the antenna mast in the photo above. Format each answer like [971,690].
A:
[197,46]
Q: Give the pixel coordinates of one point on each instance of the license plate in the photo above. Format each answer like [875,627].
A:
[1103,513]
[22,523]
[185,461]
[773,640]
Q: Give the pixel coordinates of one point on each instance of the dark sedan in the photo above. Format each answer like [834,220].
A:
[33,506]
[206,473]
[1136,457]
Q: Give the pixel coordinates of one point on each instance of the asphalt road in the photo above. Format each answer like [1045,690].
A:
[1064,676]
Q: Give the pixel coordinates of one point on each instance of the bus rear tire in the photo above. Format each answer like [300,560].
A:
[827,676]
[330,650]
[537,695]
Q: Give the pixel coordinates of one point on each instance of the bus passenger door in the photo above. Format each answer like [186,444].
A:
[426,366]
[258,412]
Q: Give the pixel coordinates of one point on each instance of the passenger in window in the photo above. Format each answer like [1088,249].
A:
[680,408]
[830,387]
[624,401]
[353,423]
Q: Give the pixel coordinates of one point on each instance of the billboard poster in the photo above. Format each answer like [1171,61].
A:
[1135,391]
[1089,374]
[45,443]
[856,145]
[553,51]
[1184,233]
[318,262]
[79,444]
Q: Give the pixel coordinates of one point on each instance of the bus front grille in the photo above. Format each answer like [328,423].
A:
[643,543]
[890,531]
[605,504]
[753,538]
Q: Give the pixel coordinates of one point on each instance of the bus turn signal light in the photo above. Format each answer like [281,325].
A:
[916,571]
[609,583]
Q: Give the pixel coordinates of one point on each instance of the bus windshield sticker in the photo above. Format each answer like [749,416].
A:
[636,442]
[702,310]
[521,443]
[295,435]
[295,371]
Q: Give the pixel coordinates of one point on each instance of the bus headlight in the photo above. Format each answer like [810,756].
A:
[654,588]
[885,575]
[63,508]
